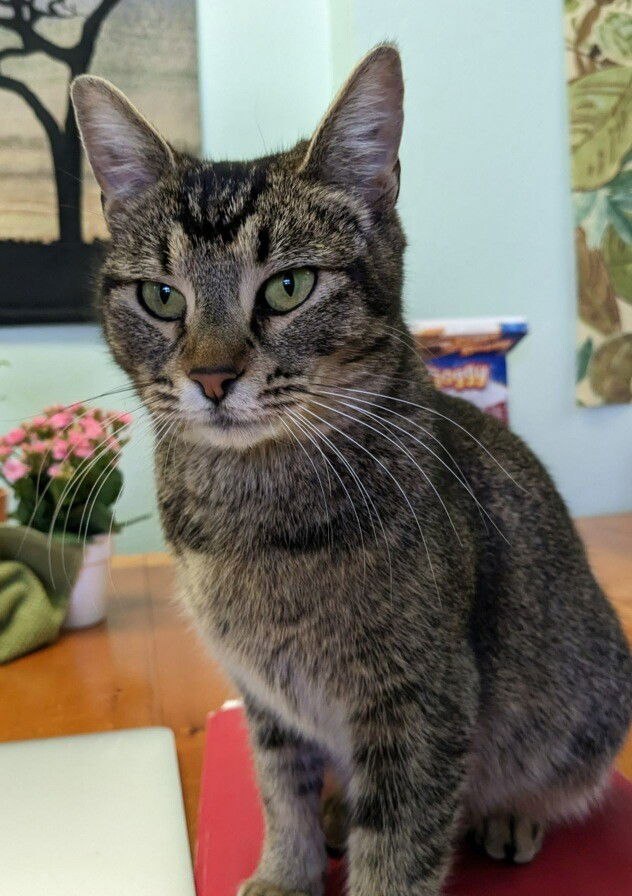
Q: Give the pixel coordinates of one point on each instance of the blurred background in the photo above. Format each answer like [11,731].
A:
[485,202]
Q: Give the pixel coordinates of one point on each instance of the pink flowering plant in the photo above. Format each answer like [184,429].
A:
[63,466]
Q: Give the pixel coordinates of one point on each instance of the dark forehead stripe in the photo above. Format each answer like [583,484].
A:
[229,227]
[209,192]
[165,255]
[263,244]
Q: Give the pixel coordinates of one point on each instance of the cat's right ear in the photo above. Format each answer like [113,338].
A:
[126,154]
[356,146]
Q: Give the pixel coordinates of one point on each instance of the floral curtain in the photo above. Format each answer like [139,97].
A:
[598,40]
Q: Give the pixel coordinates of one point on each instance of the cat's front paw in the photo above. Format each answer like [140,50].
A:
[256,887]
[335,823]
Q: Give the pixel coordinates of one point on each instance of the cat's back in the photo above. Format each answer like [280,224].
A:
[541,626]
[526,535]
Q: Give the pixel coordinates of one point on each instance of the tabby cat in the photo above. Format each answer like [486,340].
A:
[388,575]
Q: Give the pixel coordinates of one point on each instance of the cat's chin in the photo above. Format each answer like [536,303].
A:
[235,436]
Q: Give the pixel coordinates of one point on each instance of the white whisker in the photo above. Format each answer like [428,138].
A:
[443,417]
[287,427]
[302,426]
[395,480]
[365,495]
[398,444]
[461,479]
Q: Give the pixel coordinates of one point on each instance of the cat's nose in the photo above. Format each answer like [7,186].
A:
[215,381]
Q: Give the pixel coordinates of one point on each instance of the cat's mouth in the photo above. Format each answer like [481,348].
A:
[227,429]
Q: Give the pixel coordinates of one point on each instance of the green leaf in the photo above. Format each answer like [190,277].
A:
[583,357]
[25,489]
[614,37]
[59,489]
[596,222]
[87,474]
[596,294]
[133,521]
[583,204]
[100,520]
[611,370]
[110,487]
[22,513]
[621,187]
[601,125]
[96,522]
[102,480]
[618,256]
[620,222]
[611,204]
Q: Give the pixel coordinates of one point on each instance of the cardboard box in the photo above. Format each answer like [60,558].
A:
[467,357]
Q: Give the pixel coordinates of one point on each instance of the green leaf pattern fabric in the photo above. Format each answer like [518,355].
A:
[598,41]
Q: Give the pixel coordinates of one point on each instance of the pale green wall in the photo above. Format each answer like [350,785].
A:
[485,202]
[265,71]
[484,199]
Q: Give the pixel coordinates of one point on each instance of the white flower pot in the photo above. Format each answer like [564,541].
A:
[87,599]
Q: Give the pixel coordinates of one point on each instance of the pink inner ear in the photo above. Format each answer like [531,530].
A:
[126,154]
[122,164]
[357,143]
[129,175]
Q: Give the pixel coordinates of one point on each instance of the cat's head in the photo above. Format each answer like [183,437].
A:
[231,289]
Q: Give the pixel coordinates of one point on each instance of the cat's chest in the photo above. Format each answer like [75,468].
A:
[256,608]
[217,503]
[283,665]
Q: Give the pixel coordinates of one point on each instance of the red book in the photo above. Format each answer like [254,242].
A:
[591,858]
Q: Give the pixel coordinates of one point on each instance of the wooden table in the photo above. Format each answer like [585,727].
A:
[145,665]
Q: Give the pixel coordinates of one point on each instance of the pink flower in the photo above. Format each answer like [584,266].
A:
[60,420]
[114,444]
[5,451]
[37,422]
[84,450]
[125,419]
[79,445]
[37,447]
[91,428]
[60,449]
[14,469]
[55,470]
[15,436]
[76,438]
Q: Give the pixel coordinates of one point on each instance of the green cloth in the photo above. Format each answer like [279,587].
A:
[35,584]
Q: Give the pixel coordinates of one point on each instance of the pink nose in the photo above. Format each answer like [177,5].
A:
[213,380]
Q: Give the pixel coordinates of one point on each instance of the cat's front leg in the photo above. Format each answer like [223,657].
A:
[404,800]
[290,774]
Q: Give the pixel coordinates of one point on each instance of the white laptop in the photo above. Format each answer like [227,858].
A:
[93,815]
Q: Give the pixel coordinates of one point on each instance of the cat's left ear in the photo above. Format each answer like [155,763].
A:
[356,145]
[126,153]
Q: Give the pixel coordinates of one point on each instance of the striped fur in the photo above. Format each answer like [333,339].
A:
[389,576]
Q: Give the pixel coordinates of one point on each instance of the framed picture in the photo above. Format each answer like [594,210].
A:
[52,231]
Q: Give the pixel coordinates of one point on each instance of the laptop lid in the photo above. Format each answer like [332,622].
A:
[97,814]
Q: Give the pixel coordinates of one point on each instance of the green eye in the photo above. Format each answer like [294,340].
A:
[161,301]
[288,289]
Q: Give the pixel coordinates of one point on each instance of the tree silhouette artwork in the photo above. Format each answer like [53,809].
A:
[48,282]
